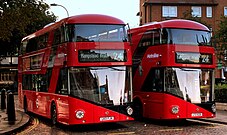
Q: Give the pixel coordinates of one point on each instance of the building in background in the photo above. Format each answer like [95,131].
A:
[8,72]
[208,11]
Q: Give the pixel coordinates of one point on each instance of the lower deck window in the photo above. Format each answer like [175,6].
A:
[192,85]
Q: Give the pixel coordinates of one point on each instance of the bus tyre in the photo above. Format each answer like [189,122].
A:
[25,105]
[138,110]
[53,114]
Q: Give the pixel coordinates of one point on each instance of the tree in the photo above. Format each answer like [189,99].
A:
[19,18]
[221,41]
[188,15]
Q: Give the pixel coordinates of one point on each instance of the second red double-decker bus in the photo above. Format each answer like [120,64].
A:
[173,70]
[77,71]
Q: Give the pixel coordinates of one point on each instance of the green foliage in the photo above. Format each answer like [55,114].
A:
[221,93]
[220,86]
[222,31]
[221,40]
[19,18]
[188,15]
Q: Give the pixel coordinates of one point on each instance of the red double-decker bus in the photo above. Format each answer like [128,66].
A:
[173,70]
[77,71]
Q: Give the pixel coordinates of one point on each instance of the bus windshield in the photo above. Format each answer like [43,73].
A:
[187,37]
[101,85]
[193,85]
[98,33]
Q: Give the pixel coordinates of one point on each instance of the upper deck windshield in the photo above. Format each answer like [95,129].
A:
[98,33]
[186,36]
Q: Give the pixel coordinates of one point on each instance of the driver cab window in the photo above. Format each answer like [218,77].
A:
[62,86]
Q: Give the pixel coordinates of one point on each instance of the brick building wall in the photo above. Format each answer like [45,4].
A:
[151,10]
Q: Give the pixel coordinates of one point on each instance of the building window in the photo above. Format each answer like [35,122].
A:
[169,11]
[196,11]
[209,11]
[225,11]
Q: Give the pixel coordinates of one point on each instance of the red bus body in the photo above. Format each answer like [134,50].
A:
[173,70]
[69,73]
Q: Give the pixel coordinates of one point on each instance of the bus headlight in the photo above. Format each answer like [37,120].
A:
[129,110]
[213,107]
[79,114]
[175,109]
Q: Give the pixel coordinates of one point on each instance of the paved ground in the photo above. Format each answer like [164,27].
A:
[8,127]
[22,119]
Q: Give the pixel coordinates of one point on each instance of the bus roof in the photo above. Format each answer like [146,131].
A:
[94,18]
[175,23]
[77,19]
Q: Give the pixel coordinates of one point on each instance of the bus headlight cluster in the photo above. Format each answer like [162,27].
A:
[213,107]
[175,109]
[79,114]
[129,110]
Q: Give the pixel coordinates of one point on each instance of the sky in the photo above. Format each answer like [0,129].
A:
[125,10]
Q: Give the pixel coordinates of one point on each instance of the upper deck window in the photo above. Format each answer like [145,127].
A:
[98,33]
[189,37]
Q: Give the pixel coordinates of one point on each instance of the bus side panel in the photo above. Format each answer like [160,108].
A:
[171,101]
[62,103]
[195,111]
[152,104]
[43,103]
[31,100]
[186,109]
[78,105]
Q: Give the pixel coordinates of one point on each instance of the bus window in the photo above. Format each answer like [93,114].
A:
[171,83]
[59,35]
[154,81]
[150,38]
[102,85]
[52,57]
[27,82]
[206,85]
[32,45]
[23,47]
[92,33]
[62,86]
[190,37]
[42,41]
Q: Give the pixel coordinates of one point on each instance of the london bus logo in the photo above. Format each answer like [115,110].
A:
[150,56]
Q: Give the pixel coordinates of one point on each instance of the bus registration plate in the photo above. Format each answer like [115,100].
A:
[197,114]
[106,118]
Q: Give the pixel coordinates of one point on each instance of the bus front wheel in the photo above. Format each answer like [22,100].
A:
[53,114]
[138,110]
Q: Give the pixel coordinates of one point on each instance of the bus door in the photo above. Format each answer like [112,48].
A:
[153,93]
[62,99]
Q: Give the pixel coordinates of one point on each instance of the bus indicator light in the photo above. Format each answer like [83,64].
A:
[129,110]
[213,107]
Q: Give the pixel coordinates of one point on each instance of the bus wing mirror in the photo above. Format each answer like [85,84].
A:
[140,70]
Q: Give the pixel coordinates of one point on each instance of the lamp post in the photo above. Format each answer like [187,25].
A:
[54,4]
